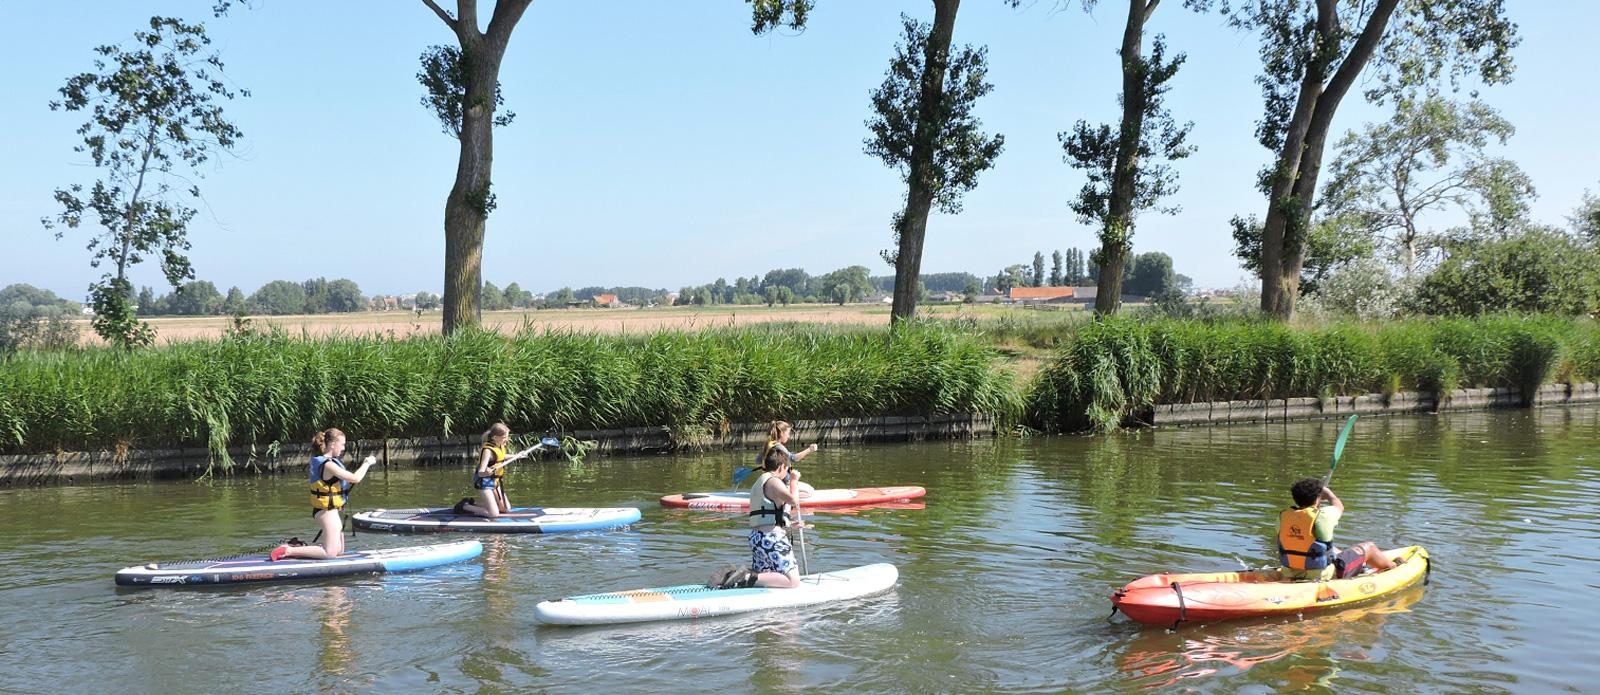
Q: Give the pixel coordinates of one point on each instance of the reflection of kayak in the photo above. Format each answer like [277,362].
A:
[1168,599]
[520,520]
[241,569]
[696,601]
[735,500]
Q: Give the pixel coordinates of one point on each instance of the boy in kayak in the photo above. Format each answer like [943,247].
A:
[1305,538]
[772,562]
[330,489]
[777,436]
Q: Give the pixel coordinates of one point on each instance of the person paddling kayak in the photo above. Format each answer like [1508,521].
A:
[330,490]
[777,437]
[1305,538]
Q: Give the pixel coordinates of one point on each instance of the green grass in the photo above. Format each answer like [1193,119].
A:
[255,388]
[1110,370]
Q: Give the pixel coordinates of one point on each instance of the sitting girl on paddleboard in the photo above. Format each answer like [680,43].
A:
[777,436]
[330,489]
[488,479]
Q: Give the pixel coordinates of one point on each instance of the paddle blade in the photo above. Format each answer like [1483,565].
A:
[1338,446]
[550,442]
[740,473]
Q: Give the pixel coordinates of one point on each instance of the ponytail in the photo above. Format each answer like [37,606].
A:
[495,430]
[778,426]
[319,443]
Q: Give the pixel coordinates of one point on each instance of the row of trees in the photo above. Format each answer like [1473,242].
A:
[155,116]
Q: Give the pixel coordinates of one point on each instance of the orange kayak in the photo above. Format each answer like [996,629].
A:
[1169,599]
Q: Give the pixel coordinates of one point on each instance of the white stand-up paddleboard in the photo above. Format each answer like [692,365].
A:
[519,520]
[697,601]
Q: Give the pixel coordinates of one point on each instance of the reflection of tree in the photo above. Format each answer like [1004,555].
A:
[1316,648]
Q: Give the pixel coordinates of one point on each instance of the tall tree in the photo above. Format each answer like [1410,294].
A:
[1123,164]
[463,85]
[1312,54]
[155,116]
[923,125]
[1586,219]
[1055,269]
[1427,158]
[1037,279]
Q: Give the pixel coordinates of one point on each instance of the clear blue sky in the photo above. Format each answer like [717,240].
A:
[661,144]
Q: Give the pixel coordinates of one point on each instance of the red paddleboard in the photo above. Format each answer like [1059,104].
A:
[736,500]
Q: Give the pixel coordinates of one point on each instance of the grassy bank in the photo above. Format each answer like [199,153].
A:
[1107,371]
[267,388]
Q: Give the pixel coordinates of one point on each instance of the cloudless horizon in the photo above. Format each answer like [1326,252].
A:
[663,145]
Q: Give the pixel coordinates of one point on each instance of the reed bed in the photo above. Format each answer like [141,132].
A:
[1110,370]
[254,388]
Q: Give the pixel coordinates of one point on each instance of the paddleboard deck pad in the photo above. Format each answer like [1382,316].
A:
[520,520]
[255,568]
[734,500]
[697,601]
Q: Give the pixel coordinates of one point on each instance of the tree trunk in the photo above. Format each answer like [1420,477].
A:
[1300,164]
[466,210]
[1118,229]
[919,197]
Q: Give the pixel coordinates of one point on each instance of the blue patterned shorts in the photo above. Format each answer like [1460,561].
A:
[771,552]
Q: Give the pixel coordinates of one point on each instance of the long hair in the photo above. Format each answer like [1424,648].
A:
[495,430]
[777,428]
[320,442]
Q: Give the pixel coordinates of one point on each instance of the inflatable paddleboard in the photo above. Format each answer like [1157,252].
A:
[520,520]
[245,569]
[735,500]
[696,601]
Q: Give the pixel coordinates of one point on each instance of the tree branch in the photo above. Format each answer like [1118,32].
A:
[445,16]
[506,15]
[1150,9]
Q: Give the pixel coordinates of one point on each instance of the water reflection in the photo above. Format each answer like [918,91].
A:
[1295,654]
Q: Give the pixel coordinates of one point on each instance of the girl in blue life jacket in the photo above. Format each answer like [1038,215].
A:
[777,437]
[330,489]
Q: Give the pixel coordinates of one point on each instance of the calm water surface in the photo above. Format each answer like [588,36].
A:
[1005,575]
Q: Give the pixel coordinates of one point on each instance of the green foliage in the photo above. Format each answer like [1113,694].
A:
[1331,245]
[1110,371]
[154,119]
[255,387]
[28,326]
[1094,149]
[279,297]
[1586,219]
[845,285]
[766,15]
[444,83]
[1151,275]
[1429,157]
[1538,271]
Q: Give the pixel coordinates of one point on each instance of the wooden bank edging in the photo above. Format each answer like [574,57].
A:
[1403,402]
[80,466]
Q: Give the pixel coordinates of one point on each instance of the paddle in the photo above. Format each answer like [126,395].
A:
[544,443]
[1338,450]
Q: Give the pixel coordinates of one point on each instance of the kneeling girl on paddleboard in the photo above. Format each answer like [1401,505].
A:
[771,555]
[488,479]
[330,490]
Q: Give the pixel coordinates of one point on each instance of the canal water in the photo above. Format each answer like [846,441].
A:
[1005,573]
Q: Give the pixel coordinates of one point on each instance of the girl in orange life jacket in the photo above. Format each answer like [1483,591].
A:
[330,487]
[489,477]
[771,555]
[1305,538]
[777,436]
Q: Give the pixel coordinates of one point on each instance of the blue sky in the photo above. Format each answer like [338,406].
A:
[661,144]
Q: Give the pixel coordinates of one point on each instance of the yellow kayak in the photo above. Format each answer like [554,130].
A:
[1169,599]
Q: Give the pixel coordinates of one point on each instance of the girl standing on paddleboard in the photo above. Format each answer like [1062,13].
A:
[330,489]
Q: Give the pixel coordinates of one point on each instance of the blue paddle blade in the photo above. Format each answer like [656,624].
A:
[551,442]
[739,474]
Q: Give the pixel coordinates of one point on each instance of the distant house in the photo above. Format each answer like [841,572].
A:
[1040,295]
[607,300]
